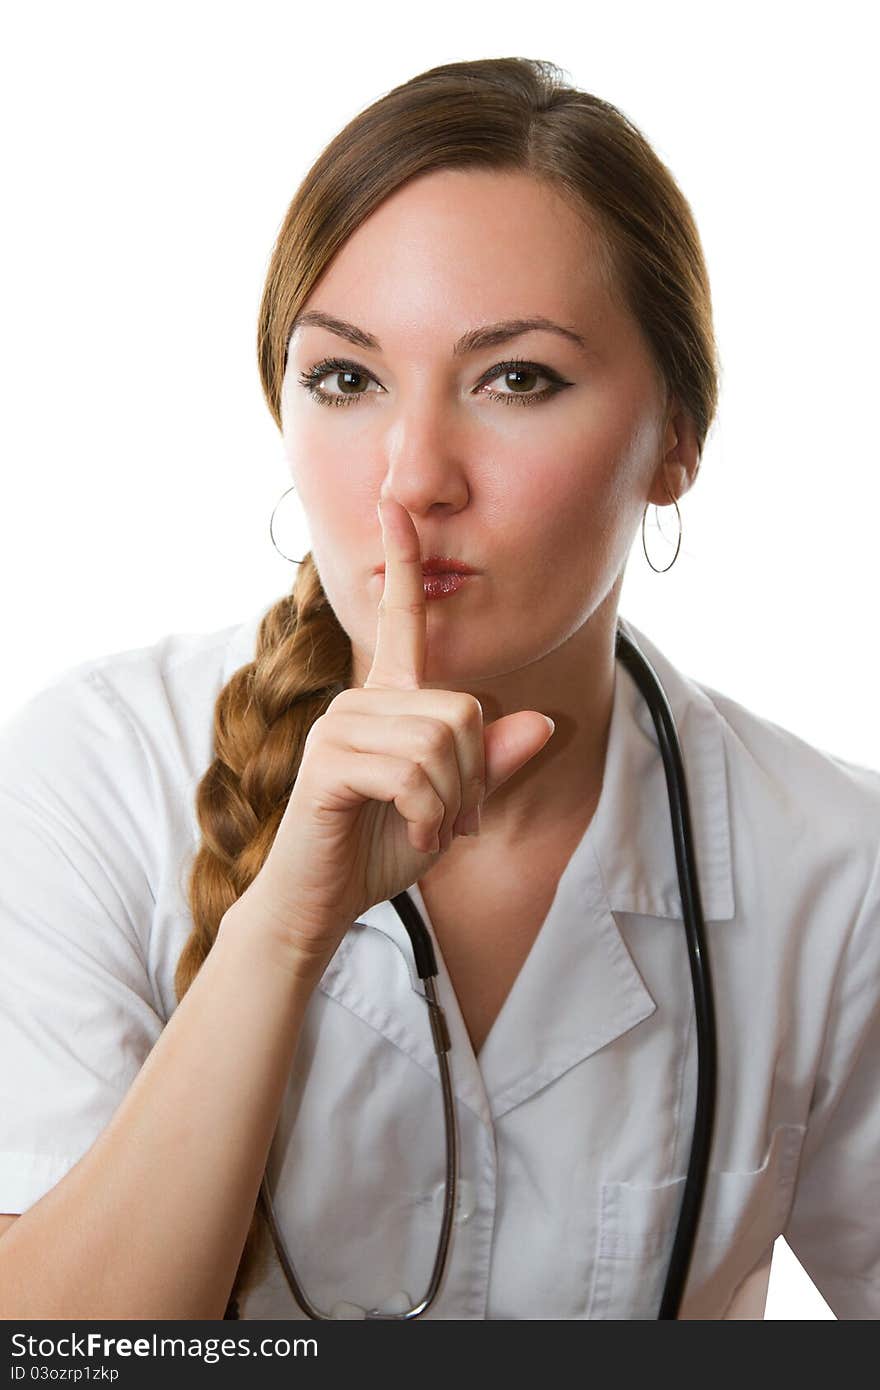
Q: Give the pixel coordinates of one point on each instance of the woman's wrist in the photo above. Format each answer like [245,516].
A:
[255,926]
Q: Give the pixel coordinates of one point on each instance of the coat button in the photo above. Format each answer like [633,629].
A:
[465,1200]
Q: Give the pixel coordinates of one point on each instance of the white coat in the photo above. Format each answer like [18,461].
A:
[575,1122]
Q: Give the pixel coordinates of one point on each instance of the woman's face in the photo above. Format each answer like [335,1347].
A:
[535,475]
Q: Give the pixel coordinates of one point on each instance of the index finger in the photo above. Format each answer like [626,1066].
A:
[399,658]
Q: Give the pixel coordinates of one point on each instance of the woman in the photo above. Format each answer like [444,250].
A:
[482,237]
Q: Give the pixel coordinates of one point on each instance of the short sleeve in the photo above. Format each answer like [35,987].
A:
[78,1015]
[834,1222]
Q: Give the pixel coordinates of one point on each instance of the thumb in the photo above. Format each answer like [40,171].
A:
[510,742]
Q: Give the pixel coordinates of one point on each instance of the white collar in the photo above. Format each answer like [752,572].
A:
[631,828]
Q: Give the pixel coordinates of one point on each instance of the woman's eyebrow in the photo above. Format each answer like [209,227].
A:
[490,335]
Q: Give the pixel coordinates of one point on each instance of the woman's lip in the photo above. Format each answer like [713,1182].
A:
[444,585]
[444,566]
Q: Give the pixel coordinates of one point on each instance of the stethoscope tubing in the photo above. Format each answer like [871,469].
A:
[654,695]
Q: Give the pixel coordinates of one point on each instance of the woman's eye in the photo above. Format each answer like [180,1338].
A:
[521,377]
[353,381]
[348,374]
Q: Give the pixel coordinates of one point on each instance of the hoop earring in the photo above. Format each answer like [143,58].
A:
[677,548]
[272,533]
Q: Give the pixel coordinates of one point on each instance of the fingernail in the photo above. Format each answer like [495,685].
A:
[550,722]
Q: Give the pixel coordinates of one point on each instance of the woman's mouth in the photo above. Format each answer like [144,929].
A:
[442,575]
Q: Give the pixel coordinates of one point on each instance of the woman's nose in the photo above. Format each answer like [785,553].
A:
[423,485]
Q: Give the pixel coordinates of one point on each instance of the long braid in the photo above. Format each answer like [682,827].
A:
[261,719]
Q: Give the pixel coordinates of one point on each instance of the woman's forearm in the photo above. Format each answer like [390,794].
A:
[151,1221]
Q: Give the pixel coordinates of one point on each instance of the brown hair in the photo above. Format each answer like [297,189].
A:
[495,114]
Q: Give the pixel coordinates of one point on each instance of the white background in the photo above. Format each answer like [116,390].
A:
[150,155]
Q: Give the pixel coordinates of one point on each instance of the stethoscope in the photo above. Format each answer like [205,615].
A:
[646,679]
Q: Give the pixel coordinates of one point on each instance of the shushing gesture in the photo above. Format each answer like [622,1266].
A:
[386,773]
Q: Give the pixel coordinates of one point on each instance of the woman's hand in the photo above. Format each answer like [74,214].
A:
[387,772]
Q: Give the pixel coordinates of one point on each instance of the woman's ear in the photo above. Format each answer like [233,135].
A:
[677,470]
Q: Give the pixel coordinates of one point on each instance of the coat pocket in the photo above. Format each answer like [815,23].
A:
[741,1216]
